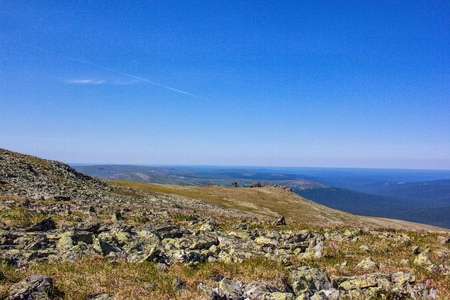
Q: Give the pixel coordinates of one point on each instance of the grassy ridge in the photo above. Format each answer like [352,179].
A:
[273,202]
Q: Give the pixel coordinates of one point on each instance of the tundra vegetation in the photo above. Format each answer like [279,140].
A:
[65,235]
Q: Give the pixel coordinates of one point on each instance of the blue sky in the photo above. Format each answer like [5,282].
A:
[264,83]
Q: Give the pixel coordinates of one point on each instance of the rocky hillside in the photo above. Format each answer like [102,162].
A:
[35,178]
[65,235]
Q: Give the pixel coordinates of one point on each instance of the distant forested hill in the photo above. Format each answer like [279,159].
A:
[434,193]
[359,203]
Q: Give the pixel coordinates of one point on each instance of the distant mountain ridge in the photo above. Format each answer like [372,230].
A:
[28,177]
[378,201]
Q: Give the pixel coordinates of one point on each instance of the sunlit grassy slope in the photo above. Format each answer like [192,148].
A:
[272,202]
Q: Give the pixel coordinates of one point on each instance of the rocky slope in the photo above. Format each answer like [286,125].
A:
[190,244]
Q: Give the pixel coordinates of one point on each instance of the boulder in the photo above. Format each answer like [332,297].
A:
[309,280]
[104,247]
[401,279]
[280,222]
[423,260]
[44,225]
[231,289]
[37,287]
[366,264]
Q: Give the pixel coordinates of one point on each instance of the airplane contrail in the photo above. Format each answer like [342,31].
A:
[119,72]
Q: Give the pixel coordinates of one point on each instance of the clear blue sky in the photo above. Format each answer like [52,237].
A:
[267,83]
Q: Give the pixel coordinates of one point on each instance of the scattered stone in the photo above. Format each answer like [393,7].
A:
[423,260]
[150,286]
[61,198]
[44,225]
[404,262]
[280,222]
[444,240]
[366,264]
[178,284]
[309,280]
[230,289]
[32,287]
[102,297]
[401,279]
[208,226]
[365,247]
[117,216]
[415,249]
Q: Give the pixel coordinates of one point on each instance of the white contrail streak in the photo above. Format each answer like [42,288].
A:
[119,72]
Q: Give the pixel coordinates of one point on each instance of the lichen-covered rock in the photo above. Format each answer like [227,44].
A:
[37,287]
[359,282]
[66,241]
[208,226]
[424,261]
[365,247]
[307,279]
[152,254]
[262,240]
[231,289]
[280,296]
[366,264]
[444,240]
[102,297]
[256,290]
[331,294]
[401,279]
[103,247]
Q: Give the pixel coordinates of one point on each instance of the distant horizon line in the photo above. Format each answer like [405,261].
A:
[251,167]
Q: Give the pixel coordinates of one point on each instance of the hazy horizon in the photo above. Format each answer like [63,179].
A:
[311,84]
[256,168]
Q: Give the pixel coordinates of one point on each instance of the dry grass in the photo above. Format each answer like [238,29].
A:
[35,160]
[270,203]
[87,277]
[20,217]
